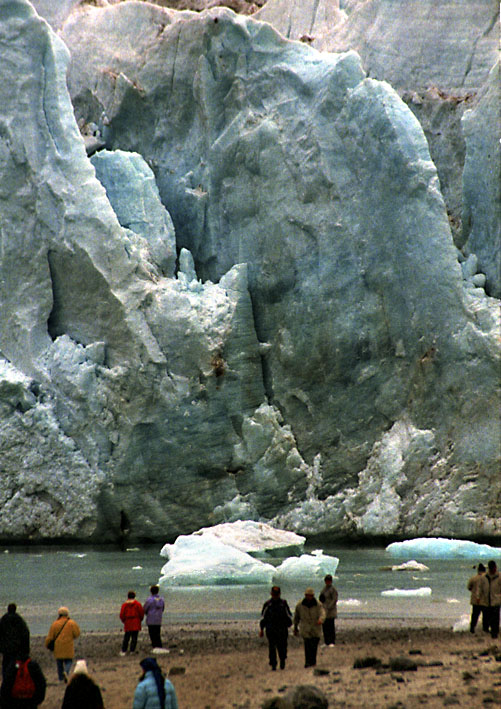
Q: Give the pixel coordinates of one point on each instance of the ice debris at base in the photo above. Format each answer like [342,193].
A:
[206,561]
[256,538]
[408,592]
[462,625]
[218,556]
[306,566]
[440,548]
[411,565]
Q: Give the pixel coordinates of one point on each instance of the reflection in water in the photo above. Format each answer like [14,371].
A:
[93,583]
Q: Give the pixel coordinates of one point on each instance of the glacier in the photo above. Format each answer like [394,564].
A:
[249,305]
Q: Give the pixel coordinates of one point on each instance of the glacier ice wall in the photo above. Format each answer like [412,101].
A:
[316,306]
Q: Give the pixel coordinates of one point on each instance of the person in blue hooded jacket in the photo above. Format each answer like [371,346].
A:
[154,691]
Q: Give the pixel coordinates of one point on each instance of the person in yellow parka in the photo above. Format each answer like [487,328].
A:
[60,640]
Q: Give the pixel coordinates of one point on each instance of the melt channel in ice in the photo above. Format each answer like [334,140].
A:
[441,548]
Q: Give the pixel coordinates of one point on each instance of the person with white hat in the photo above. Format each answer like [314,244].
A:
[82,692]
[308,618]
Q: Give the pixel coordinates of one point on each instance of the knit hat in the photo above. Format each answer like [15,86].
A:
[309,591]
[80,668]
[63,611]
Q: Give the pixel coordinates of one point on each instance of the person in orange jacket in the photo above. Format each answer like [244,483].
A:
[62,633]
[131,615]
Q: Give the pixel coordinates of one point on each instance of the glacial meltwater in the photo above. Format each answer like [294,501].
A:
[94,582]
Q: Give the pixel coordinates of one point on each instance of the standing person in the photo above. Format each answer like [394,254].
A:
[309,616]
[14,637]
[60,640]
[153,690]
[23,686]
[82,692]
[276,619]
[153,609]
[478,604]
[131,615]
[490,589]
[328,598]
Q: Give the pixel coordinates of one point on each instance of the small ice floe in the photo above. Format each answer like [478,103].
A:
[461,625]
[351,602]
[408,592]
[452,600]
[132,549]
[317,564]
[78,556]
[442,548]
[411,565]
[137,568]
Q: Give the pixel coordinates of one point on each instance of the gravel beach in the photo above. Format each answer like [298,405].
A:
[225,665]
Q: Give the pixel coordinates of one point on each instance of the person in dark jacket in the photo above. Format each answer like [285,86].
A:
[276,619]
[82,692]
[7,701]
[14,637]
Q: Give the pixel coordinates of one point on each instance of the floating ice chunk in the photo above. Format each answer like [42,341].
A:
[440,548]
[256,538]
[452,600]
[306,566]
[203,560]
[461,625]
[350,602]
[136,567]
[411,565]
[408,592]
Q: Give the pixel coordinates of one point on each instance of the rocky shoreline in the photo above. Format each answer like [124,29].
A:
[223,665]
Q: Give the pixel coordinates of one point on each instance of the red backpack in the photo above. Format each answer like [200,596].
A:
[23,687]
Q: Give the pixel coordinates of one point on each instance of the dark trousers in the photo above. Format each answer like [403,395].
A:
[132,636]
[475,614]
[6,661]
[277,643]
[329,629]
[310,651]
[154,631]
[492,613]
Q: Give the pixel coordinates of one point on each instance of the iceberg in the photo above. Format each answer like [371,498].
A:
[256,538]
[314,565]
[462,625]
[204,560]
[407,592]
[441,548]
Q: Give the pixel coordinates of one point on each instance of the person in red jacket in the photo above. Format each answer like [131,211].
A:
[131,615]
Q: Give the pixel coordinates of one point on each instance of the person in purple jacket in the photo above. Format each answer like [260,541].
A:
[153,609]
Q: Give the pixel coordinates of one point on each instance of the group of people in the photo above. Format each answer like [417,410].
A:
[24,684]
[132,614]
[311,616]
[485,599]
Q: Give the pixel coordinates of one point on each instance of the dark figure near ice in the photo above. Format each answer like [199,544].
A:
[276,619]
[14,637]
[124,530]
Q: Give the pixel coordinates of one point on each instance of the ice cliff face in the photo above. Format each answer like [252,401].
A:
[248,306]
